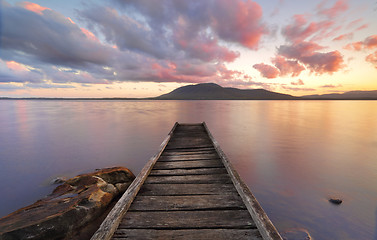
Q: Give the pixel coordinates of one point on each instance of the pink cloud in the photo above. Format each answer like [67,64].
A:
[34,7]
[287,67]
[198,70]
[69,19]
[297,30]
[346,36]
[89,35]
[339,7]
[362,27]
[15,66]
[266,70]
[201,46]
[304,28]
[12,71]
[327,29]
[369,43]
[301,29]
[291,60]
[357,25]
[298,50]
[297,88]
[227,75]
[354,23]
[163,71]
[357,46]
[321,63]
[372,58]
[298,83]
[317,62]
[331,86]
[238,21]
[212,50]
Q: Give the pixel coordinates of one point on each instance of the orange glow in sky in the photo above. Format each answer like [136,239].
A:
[34,7]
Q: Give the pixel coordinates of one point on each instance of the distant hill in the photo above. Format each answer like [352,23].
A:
[352,95]
[212,91]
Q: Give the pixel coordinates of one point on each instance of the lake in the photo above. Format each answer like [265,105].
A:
[293,155]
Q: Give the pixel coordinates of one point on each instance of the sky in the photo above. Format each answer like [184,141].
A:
[145,48]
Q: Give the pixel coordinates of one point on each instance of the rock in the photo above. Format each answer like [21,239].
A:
[335,201]
[296,234]
[58,180]
[71,206]
[122,187]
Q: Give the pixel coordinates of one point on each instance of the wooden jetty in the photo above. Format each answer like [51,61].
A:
[188,190]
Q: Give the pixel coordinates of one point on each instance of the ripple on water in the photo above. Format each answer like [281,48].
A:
[296,234]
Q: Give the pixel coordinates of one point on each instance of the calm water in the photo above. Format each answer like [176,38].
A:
[293,155]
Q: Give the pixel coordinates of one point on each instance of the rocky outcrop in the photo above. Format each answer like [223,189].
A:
[69,208]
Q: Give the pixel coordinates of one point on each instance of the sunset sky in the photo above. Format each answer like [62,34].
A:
[144,48]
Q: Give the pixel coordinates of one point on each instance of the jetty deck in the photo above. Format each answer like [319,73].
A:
[188,190]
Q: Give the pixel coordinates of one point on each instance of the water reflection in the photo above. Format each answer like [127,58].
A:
[294,155]
[304,155]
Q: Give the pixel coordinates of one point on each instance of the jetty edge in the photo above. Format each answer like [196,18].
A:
[171,196]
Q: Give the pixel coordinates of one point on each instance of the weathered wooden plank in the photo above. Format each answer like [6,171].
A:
[185,137]
[188,220]
[197,128]
[185,153]
[188,147]
[189,157]
[198,234]
[188,150]
[178,134]
[190,127]
[180,172]
[189,154]
[186,189]
[185,160]
[198,179]
[193,202]
[189,141]
[188,164]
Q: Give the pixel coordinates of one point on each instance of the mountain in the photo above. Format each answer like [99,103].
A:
[212,91]
[352,95]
